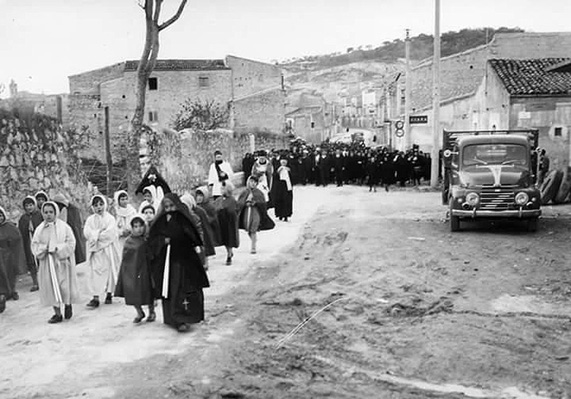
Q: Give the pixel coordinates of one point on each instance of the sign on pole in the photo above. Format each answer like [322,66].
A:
[418,119]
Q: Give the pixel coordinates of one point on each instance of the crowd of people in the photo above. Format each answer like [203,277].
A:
[156,251]
[160,249]
[342,163]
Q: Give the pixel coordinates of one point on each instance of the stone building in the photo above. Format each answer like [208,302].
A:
[105,98]
[460,77]
[534,93]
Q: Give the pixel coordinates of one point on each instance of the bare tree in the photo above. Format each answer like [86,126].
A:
[152,9]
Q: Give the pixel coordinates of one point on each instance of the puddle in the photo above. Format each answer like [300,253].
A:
[528,304]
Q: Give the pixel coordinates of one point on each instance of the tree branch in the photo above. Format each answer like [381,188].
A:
[169,22]
[148,9]
[158,5]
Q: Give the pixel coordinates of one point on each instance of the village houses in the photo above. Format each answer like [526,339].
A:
[252,91]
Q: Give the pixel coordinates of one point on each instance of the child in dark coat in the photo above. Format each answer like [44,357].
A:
[134,282]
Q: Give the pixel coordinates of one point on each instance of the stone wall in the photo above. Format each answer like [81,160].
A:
[38,155]
[265,111]
[184,158]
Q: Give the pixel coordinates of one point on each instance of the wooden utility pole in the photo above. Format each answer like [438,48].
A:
[407,90]
[108,158]
[436,99]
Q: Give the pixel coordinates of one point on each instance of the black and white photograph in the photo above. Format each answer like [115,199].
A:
[289,199]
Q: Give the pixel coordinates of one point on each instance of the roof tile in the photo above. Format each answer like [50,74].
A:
[532,76]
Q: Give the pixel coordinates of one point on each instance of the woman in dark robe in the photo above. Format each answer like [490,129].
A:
[203,201]
[227,211]
[71,214]
[12,259]
[204,228]
[177,273]
[252,212]
[27,224]
[283,192]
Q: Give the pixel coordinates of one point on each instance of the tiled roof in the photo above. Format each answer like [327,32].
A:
[532,77]
[181,65]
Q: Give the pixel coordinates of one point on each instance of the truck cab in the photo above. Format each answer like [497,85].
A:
[490,174]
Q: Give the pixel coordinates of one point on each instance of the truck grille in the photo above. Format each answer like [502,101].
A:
[497,198]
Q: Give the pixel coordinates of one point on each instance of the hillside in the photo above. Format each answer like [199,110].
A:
[332,74]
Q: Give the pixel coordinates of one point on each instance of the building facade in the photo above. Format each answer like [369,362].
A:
[105,98]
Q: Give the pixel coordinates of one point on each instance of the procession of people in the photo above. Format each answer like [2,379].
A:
[160,249]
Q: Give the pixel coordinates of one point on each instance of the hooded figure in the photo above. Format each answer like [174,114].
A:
[12,259]
[176,270]
[203,201]
[153,178]
[53,244]
[124,212]
[27,224]
[102,257]
[150,195]
[252,211]
[134,282]
[71,214]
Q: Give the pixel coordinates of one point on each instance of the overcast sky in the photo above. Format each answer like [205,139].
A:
[44,41]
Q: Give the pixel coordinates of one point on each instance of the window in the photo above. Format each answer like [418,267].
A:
[153,84]
[558,132]
[203,81]
[312,125]
[153,116]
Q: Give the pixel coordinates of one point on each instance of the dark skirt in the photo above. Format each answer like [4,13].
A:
[283,201]
[182,305]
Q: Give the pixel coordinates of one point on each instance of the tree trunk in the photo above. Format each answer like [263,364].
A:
[146,66]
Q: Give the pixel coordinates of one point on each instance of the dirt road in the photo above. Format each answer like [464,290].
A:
[361,295]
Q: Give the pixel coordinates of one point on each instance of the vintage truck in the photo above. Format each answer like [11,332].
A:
[491,174]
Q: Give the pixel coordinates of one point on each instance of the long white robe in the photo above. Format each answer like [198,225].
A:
[56,273]
[102,254]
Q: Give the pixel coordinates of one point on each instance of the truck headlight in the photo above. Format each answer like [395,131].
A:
[521,198]
[472,199]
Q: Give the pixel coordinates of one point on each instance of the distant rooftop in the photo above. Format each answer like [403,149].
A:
[181,65]
[534,76]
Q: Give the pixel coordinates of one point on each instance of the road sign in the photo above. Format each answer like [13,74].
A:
[418,119]
[399,132]
[399,124]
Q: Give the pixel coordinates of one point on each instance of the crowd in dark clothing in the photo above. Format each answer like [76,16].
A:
[340,163]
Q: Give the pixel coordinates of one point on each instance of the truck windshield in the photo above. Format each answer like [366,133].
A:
[494,154]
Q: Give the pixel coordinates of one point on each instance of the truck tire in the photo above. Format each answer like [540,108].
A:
[532,225]
[564,189]
[550,186]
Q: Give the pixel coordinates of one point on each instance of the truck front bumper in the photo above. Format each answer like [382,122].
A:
[512,214]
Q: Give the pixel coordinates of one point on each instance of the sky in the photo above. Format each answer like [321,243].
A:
[42,42]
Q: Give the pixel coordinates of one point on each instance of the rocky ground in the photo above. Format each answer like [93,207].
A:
[361,295]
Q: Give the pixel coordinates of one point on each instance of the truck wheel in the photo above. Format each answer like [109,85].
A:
[454,223]
[532,225]
[550,186]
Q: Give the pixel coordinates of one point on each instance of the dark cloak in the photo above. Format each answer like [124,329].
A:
[185,302]
[27,225]
[228,221]
[153,178]
[206,231]
[266,223]
[134,281]
[12,258]
[74,221]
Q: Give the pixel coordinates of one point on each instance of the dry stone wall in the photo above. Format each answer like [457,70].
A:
[184,158]
[38,155]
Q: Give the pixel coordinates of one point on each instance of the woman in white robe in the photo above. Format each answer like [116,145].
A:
[124,212]
[53,245]
[100,231]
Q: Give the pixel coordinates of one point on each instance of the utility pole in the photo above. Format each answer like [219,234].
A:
[407,89]
[436,99]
